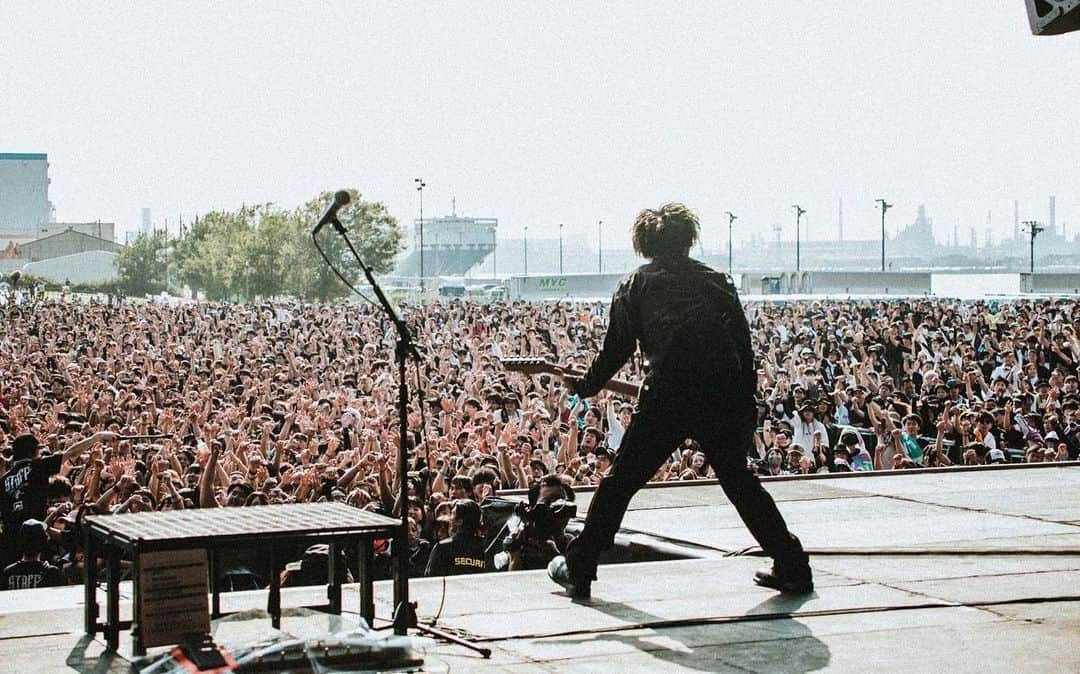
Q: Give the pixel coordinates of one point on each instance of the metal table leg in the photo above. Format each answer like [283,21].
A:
[333,591]
[112,598]
[402,608]
[274,602]
[90,573]
[215,586]
[366,562]
[137,647]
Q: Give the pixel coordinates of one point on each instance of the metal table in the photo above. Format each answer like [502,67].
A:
[267,528]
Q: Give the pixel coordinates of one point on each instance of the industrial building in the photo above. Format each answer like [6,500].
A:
[24,192]
[67,242]
[452,245]
[32,241]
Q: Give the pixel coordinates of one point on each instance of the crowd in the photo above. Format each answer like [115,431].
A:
[245,405]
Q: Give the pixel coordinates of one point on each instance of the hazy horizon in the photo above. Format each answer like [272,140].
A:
[545,114]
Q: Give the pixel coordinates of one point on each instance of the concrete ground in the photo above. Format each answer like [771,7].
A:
[970,571]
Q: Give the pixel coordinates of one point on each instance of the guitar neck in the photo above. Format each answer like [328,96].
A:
[624,387]
[537,366]
[620,386]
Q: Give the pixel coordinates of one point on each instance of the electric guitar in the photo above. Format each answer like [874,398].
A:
[536,365]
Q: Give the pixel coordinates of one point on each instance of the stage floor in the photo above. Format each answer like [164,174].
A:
[970,571]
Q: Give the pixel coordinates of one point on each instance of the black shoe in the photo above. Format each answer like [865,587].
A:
[578,586]
[789,578]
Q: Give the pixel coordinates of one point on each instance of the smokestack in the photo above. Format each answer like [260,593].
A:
[1053,224]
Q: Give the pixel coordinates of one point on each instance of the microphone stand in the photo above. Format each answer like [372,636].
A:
[404,610]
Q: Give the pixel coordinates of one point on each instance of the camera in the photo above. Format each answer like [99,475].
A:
[539,522]
[536,531]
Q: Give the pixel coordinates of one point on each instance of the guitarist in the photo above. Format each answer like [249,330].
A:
[690,326]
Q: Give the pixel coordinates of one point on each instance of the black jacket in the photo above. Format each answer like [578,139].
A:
[692,331]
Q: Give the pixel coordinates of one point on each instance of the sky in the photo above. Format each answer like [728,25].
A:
[547,113]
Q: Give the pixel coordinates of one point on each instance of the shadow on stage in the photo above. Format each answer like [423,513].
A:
[755,643]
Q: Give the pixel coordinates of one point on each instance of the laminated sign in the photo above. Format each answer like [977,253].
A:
[172,596]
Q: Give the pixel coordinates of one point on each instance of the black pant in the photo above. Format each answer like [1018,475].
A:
[651,437]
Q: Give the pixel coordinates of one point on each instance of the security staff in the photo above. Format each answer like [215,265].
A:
[31,571]
[691,329]
[23,487]
[463,552]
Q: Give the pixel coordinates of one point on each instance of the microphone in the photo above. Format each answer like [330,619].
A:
[341,198]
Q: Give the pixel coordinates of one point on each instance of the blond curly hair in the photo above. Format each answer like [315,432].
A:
[669,230]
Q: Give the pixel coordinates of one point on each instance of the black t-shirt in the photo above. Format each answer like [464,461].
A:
[461,554]
[23,496]
[30,575]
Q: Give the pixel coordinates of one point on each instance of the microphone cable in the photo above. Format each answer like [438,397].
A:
[348,284]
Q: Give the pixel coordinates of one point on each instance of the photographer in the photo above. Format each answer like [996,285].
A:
[537,532]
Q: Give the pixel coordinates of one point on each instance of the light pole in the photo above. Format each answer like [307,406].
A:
[420,185]
[799,212]
[560,249]
[731,218]
[600,246]
[1033,229]
[884,207]
[526,240]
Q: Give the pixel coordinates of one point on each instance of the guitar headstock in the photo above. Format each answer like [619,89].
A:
[530,365]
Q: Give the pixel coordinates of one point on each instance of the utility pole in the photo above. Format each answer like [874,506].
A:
[600,246]
[799,212]
[885,206]
[165,252]
[731,218]
[560,249]
[420,185]
[1033,229]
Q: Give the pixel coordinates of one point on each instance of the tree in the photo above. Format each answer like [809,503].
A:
[373,231]
[212,258]
[141,265]
[266,251]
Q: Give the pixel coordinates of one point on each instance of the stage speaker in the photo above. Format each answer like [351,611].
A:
[1053,17]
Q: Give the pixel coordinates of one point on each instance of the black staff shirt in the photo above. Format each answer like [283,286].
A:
[28,575]
[23,496]
[460,554]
